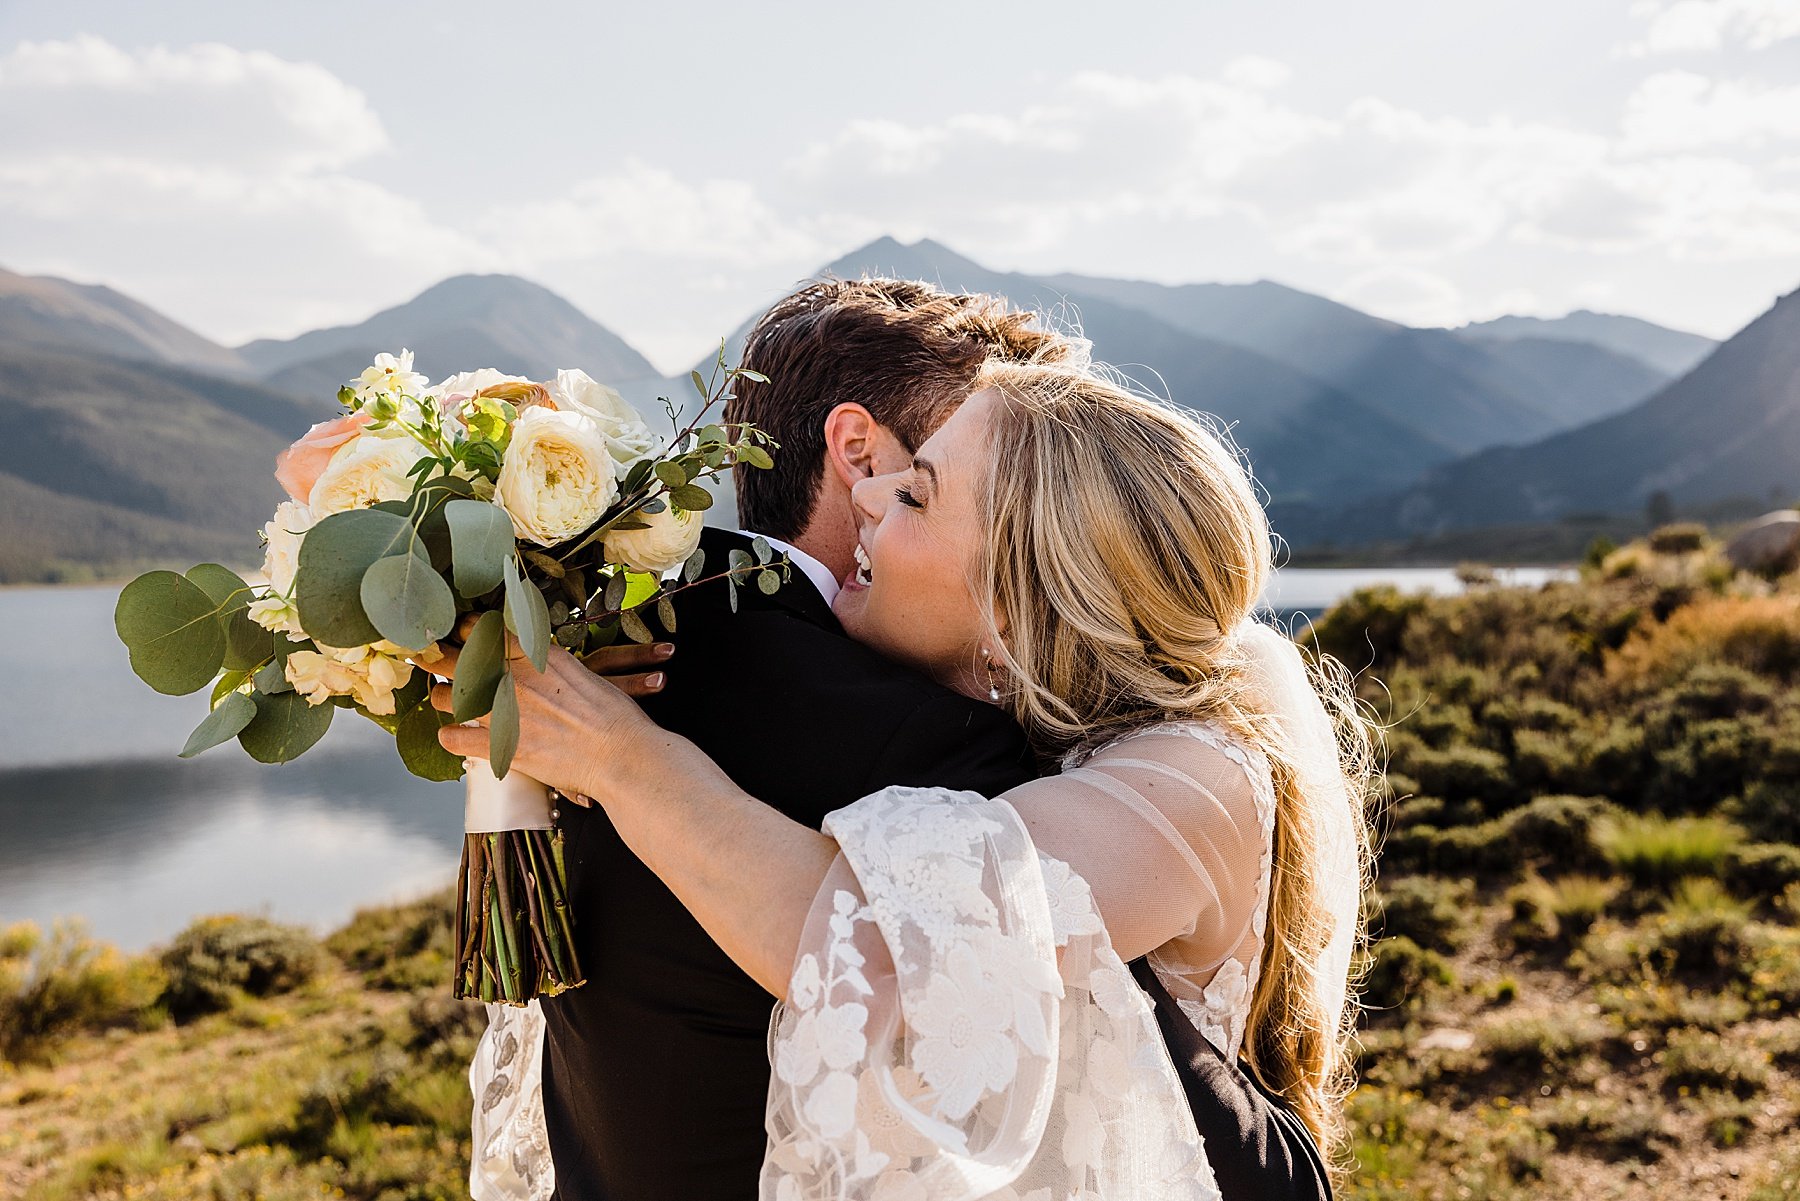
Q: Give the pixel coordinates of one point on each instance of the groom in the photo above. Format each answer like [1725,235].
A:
[656,1072]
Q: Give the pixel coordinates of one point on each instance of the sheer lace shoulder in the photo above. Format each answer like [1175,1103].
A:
[1173,827]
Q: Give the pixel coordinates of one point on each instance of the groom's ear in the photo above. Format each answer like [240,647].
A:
[857,446]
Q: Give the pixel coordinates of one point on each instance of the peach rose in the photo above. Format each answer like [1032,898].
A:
[300,465]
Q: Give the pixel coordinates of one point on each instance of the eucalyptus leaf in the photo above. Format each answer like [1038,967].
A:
[756,456]
[527,616]
[740,560]
[634,627]
[670,474]
[503,727]
[407,601]
[334,557]
[171,627]
[228,717]
[481,539]
[696,563]
[699,383]
[691,497]
[545,564]
[246,643]
[614,596]
[731,589]
[759,546]
[479,667]
[768,581]
[416,738]
[271,678]
[284,728]
[665,613]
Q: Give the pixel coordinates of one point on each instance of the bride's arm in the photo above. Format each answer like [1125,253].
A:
[747,872]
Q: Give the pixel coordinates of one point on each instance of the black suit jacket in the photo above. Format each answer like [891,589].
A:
[656,1072]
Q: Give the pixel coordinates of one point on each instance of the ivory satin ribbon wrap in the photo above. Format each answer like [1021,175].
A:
[491,804]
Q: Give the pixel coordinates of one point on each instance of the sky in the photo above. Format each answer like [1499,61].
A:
[259,170]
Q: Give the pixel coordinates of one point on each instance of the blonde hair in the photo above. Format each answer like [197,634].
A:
[1126,543]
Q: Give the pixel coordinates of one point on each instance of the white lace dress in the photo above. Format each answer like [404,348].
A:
[959,1024]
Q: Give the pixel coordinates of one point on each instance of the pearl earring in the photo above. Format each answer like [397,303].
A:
[993,689]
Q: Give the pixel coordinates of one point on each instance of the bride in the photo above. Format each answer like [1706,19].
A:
[957,1016]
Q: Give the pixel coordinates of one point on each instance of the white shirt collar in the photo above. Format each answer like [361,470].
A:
[817,572]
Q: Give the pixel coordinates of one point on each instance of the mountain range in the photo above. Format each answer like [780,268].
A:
[148,441]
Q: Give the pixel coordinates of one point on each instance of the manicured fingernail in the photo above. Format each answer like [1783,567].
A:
[654,680]
[664,649]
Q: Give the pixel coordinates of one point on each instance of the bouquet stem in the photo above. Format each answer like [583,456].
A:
[514,937]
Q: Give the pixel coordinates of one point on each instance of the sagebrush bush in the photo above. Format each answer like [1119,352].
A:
[64,983]
[1683,537]
[1698,1059]
[1760,634]
[1429,911]
[217,959]
[1555,913]
[1401,975]
[399,947]
[1763,872]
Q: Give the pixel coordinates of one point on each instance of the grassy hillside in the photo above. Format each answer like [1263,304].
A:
[1587,981]
[109,465]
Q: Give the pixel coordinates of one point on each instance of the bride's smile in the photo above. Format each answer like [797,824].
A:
[912,594]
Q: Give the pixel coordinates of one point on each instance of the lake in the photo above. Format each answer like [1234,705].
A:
[103,821]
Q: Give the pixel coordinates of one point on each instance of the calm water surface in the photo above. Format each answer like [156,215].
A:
[102,820]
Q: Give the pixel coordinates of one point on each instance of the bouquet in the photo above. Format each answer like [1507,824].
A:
[547,509]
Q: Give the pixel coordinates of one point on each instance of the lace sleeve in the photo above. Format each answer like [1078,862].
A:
[959,1027]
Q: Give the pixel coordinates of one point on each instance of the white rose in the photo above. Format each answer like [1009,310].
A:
[468,383]
[628,437]
[557,477]
[390,375]
[281,557]
[663,546]
[366,471]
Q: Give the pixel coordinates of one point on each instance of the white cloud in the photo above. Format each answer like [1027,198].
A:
[200,104]
[217,175]
[1688,26]
[1681,111]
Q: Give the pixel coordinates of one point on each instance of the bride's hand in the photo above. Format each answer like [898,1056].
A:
[576,727]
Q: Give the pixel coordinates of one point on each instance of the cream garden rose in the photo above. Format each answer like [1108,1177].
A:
[371,469]
[663,546]
[627,436]
[281,557]
[369,674]
[558,477]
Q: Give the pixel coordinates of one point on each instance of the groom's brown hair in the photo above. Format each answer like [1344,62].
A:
[906,351]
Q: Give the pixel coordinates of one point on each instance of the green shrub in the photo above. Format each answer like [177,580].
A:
[1610,1128]
[1769,809]
[339,1107]
[1699,1060]
[1402,975]
[1656,851]
[217,959]
[1660,1005]
[1560,833]
[55,986]
[401,947]
[1462,772]
[1763,872]
[1427,910]
[1548,913]
[1683,537]
[1366,627]
[1534,1044]
[437,1020]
